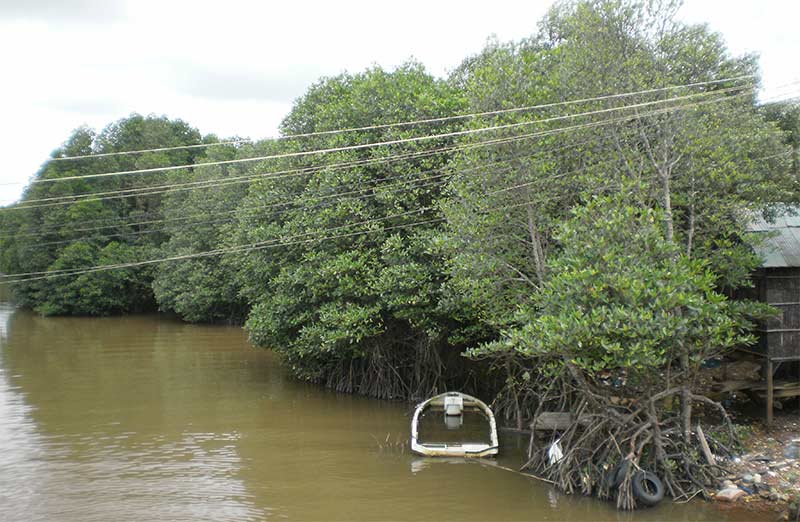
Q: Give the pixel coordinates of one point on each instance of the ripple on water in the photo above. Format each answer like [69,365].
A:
[146,419]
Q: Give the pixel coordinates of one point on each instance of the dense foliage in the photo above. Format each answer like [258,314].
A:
[68,225]
[620,295]
[578,234]
[609,257]
[358,310]
[200,217]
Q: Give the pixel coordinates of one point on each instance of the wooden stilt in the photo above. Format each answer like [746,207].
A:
[770,392]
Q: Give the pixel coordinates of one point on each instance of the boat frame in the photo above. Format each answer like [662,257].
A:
[455,449]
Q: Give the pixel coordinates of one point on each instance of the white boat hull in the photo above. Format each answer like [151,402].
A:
[455,449]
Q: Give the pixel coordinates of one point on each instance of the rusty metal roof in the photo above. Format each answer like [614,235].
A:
[781,246]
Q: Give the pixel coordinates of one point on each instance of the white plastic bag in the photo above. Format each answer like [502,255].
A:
[554,454]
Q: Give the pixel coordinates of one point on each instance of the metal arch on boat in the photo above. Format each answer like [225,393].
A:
[467,449]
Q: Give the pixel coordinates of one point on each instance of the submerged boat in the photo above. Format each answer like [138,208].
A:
[453,406]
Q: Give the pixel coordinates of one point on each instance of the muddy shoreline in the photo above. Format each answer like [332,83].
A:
[767,472]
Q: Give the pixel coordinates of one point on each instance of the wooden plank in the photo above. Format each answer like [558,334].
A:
[734,385]
[776,385]
[786,359]
[554,421]
[780,394]
[704,445]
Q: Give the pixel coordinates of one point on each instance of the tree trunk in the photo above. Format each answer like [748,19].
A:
[536,246]
[686,399]
[667,203]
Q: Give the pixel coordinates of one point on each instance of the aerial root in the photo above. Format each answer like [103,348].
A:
[606,444]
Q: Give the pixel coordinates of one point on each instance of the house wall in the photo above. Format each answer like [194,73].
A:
[780,336]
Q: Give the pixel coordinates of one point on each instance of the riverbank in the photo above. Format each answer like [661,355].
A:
[766,476]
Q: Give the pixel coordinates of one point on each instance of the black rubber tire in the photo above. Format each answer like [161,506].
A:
[616,475]
[611,474]
[647,488]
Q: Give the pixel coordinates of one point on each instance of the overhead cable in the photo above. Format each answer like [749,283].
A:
[416,122]
[336,166]
[398,141]
[162,189]
[275,242]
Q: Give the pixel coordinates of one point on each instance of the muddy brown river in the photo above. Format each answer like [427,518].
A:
[147,419]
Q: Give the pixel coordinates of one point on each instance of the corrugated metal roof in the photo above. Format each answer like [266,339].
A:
[781,248]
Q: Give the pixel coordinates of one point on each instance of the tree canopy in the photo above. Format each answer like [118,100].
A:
[359,309]
[70,224]
[569,211]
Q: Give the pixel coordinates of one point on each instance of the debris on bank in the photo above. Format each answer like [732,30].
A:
[767,475]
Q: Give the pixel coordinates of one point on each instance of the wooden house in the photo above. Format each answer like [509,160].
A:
[777,282]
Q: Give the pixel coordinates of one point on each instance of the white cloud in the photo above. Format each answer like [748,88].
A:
[75,11]
[767,28]
[234,67]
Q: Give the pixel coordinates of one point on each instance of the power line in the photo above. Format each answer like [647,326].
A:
[51,272]
[405,186]
[324,197]
[289,203]
[399,141]
[159,149]
[115,224]
[220,251]
[263,245]
[276,242]
[444,169]
[414,122]
[337,195]
[337,166]
[388,159]
[146,191]
[236,249]
[215,253]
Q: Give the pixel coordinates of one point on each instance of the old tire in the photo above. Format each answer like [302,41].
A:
[616,475]
[647,488]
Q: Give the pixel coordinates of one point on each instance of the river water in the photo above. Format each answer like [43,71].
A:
[144,418]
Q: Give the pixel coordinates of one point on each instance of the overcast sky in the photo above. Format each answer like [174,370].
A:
[233,67]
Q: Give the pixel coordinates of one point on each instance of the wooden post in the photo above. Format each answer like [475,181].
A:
[770,392]
[704,446]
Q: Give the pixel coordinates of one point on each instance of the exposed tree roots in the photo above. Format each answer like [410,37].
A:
[412,370]
[612,428]
[610,439]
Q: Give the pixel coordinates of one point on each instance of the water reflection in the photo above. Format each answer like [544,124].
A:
[23,456]
[6,312]
[471,426]
[143,418]
[105,440]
